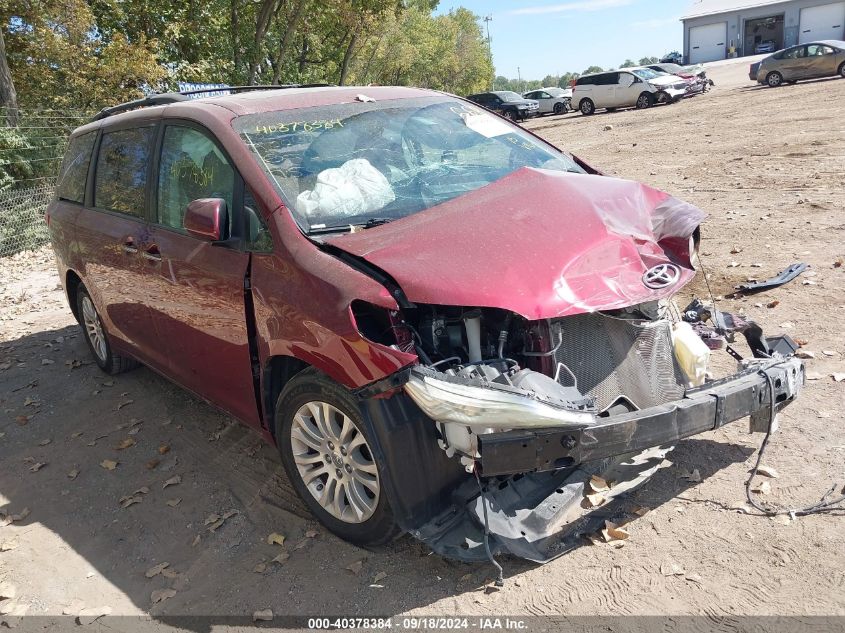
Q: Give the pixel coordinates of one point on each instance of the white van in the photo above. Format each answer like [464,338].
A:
[624,89]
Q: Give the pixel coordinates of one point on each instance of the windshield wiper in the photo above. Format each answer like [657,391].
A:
[322,229]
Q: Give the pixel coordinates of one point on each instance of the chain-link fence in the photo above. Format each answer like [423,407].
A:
[22,225]
[30,154]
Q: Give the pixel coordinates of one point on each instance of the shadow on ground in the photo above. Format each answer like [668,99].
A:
[220,466]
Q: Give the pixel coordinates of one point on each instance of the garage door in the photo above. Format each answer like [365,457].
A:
[822,23]
[707,43]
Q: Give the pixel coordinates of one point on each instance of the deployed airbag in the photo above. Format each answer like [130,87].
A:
[354,188]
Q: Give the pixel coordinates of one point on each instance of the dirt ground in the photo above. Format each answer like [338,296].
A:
[765,164]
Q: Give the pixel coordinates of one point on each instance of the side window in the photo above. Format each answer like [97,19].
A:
[121,175]
[814,50]
[257,236]
[74,173]
[191,167]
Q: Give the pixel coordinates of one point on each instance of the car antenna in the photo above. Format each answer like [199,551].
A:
[500,581]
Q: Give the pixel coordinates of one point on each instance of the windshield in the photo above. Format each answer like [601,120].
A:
[647,73]
[509,96]
[355,163]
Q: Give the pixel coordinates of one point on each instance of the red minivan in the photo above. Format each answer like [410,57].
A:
[444,323]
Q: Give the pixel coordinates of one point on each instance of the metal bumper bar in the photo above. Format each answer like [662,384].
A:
[702,409]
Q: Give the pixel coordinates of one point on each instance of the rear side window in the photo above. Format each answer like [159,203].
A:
[608,79]
[121,175]
[585,81]
[192,167]
[74,173]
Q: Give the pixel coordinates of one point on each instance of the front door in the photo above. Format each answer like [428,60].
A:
[199,302]
[821,60]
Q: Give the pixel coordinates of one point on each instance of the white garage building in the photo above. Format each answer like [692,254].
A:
[713,29]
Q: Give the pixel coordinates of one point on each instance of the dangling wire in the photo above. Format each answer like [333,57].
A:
[824,505]
[500,581]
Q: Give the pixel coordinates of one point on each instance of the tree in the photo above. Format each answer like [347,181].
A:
[55,47]
[628,63]
[593,69]
[8,96]
[647,61]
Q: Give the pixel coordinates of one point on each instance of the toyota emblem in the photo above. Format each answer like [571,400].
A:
[661,276]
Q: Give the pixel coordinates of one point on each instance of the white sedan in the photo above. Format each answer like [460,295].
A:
[552,100]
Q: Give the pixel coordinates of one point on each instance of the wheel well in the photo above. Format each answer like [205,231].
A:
[72,283]
[278,371]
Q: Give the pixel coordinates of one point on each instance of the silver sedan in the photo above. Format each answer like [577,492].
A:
[551,100]
[824,58]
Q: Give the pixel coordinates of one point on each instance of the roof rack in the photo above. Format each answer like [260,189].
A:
[175,97]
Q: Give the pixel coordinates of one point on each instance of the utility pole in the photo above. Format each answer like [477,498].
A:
[519,78]
[487,19]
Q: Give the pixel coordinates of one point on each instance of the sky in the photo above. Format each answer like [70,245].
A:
[551,37]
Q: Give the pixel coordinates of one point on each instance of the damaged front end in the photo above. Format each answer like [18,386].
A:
[585,366]
[536,408]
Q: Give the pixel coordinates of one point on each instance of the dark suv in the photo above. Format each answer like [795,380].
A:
[441,321]
[509,104]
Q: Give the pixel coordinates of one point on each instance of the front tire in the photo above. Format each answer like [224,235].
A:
[560,109]
[587,107]
[326,451]
[774,79]
[645,100]
[97,337]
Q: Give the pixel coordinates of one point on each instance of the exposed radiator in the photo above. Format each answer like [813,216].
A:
[614,357]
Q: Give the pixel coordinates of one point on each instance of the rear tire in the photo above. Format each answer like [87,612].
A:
[325,449]
[587,107]
[97,337]
[774,79]
[842,70]
[645,100]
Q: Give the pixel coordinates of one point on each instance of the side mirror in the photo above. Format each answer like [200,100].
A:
[206,218]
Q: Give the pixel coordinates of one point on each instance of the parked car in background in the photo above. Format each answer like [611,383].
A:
[824,58]
[670,88]
[695,76]
[612,90]
[767,46]
[443,323]
[672,58]
[509,104]
[552,100]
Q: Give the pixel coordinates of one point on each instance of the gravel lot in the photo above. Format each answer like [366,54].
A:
[765,164]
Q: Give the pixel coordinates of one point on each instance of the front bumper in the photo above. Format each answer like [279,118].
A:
[702,409]
[539,514]
[675,93]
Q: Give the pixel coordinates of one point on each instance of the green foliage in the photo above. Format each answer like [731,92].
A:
[14,157]
[646,61]
[628,63]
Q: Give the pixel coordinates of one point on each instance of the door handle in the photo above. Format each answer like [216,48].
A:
[129,246]
[152,253]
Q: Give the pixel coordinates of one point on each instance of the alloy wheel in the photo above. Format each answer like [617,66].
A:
[335,462]
[94,329]
[774,80]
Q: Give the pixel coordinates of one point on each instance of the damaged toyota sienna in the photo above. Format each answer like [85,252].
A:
[445,324]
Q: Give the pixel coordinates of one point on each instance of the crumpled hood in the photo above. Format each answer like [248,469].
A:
[540,243]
